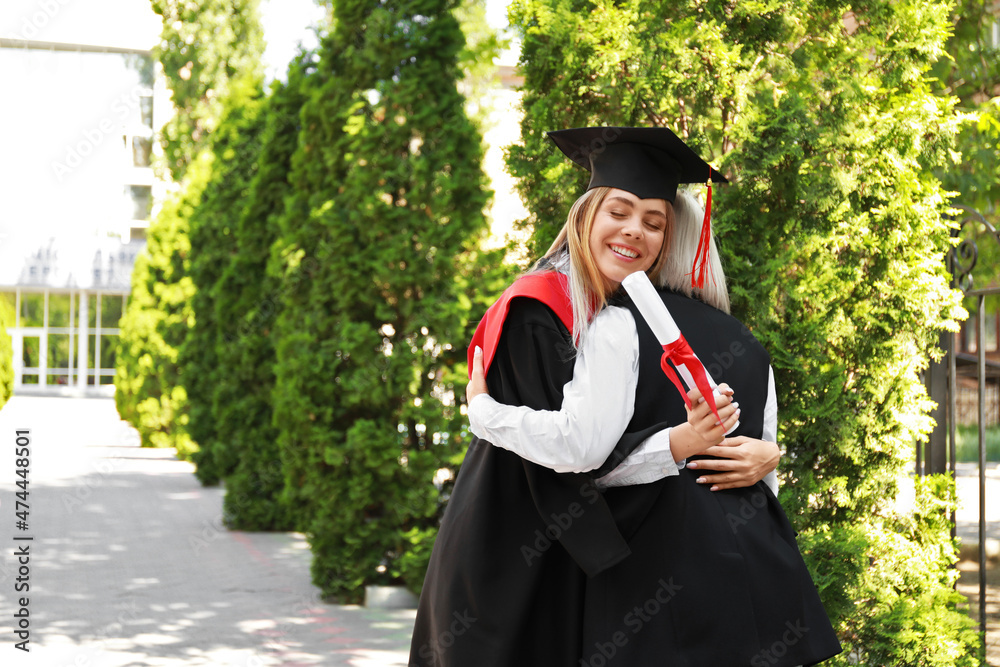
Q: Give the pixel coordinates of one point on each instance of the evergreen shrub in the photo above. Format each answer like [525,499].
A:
[148,389]
[833,232]
[205,47]
[232,154]
[247,302]
[386,210]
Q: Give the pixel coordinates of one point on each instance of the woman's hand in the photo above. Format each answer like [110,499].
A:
[744,462]
[702,419]
[477,383]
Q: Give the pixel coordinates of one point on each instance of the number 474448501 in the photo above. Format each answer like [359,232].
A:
[22,461]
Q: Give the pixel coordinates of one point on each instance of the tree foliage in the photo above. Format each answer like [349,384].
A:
[148,390]
[210,55]
[386,212]
[203,46]
[6,350]
[232,159]
[247,301]
[971,72]
[833,233]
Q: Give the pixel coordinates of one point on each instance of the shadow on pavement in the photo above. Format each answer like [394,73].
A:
[130,563]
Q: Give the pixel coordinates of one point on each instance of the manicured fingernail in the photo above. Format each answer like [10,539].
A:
[693,465]
[735,404]
[479,351]
[714,488]
[701,480]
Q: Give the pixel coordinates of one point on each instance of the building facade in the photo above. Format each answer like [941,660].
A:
[67,297]
[77,193]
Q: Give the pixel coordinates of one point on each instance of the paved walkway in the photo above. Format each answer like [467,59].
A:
[130,565]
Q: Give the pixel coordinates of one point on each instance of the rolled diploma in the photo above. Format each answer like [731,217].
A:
[658,317]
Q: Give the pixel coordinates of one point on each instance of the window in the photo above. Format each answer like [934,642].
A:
[146,109]
[32,309]
[109,353]
[141,201]
[59,356]
[142,151]
[91,349]
[111,310]
[29,352]
[59,307]
[58,377]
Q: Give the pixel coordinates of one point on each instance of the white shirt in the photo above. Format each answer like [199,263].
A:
[598,404]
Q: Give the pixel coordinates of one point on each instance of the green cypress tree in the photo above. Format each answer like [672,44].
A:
[387,209]
[212,226]
[148,391]
[203,47]
[834,238]
[246,306]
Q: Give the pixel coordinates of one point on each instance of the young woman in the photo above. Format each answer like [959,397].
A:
[506,581]
[713,578]
[583,433]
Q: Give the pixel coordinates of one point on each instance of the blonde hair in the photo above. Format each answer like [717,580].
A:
[588,289]
[676,271]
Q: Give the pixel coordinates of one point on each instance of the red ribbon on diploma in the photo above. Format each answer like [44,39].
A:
[679,352]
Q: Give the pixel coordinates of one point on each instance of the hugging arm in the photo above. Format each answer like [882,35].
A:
[597,406]
[744,461]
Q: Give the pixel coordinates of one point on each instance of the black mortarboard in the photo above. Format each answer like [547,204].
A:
[649,162]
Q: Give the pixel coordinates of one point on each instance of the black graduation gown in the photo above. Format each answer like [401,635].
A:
[505,582]
[715,579]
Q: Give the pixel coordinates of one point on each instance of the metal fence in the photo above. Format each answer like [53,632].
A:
[960,404]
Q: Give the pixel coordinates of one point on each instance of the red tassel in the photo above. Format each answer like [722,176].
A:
[700,268]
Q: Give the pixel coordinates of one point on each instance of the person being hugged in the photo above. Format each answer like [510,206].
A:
[714,576]
[495,593]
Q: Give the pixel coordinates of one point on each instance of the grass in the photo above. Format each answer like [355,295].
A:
[967,445]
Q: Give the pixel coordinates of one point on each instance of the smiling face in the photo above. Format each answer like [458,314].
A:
[627,235]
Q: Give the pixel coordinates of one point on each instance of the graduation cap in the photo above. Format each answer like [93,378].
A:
[649,162]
